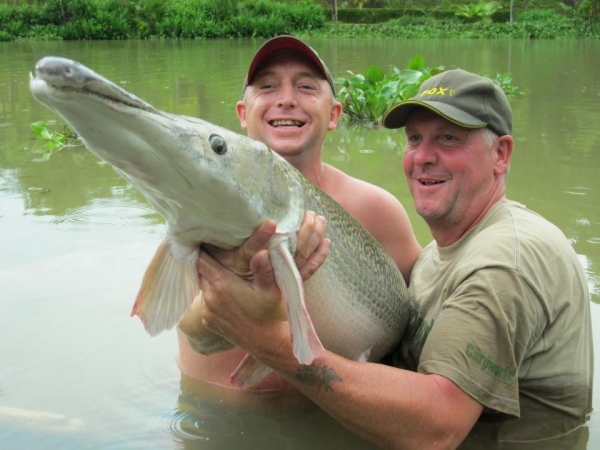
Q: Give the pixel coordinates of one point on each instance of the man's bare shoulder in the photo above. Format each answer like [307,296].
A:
[353,193]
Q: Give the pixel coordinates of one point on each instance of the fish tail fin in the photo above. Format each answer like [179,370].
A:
[168,287]
[248,372]
[305,342]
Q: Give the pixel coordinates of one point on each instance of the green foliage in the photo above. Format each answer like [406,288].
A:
[587,10]
[379,15]
[365,97]
[53,141]
[144,19]
[427,27]
[478,12]
[59,12]
[197,19]
[369,15]
[200,19]
[504,80]
[143,15]
[263,18]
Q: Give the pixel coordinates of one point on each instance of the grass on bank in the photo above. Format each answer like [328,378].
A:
[206,19]
[546,24]
[145,19]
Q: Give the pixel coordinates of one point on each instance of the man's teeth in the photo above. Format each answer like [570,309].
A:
[430,182]
[286,123]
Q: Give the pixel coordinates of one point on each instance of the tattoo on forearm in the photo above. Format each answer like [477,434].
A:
[319,376]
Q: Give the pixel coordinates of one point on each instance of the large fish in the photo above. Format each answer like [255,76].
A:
[215,186]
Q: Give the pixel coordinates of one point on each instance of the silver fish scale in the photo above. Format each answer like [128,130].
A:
[358,300]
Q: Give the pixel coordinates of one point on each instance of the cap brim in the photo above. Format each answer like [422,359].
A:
[282,44]
[397,116]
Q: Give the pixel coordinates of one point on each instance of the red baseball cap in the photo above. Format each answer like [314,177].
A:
[284,44]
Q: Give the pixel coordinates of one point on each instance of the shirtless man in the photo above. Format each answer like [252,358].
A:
[289,104]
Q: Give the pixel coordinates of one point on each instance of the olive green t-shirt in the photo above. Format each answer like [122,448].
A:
[504,313]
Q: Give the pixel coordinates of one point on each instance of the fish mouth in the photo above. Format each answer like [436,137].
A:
[39,85]
[55,75]
[286,123]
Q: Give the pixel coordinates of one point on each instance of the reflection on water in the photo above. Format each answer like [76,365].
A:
[105,214]
[202,424]
[40,420]
[213,417]
[75,238]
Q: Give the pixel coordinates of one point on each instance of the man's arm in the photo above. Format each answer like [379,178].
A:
[390,407]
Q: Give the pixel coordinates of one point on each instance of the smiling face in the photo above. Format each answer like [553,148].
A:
[289,106]
[454,174]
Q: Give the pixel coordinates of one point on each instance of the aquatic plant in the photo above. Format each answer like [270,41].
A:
[365,97]
[54,141]
[504,80]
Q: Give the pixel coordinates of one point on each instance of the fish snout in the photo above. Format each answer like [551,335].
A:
[60,72]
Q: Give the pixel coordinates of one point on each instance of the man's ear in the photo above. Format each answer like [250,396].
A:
[503,152]
[240,110]
[334,115]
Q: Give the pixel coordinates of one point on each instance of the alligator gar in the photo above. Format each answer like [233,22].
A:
[215,186]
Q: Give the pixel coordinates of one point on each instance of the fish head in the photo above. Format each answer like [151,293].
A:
[211,184]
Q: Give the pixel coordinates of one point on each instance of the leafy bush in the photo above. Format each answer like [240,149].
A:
[478,12]
[560,26]
[145,19]
[196,19]
[127,19]
[365,97]
[59,12]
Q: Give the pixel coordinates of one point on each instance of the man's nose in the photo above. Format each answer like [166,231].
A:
[287,96]
[425,153]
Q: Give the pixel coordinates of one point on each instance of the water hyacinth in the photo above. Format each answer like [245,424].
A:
[365,97]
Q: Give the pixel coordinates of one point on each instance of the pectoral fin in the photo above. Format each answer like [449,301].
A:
[305,342]
[168,287]
[248,372]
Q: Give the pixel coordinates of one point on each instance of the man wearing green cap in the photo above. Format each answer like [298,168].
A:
[500,349]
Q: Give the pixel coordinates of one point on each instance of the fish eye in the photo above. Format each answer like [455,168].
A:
[218,144]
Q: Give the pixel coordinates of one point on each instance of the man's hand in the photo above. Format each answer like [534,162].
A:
[311,248]
[247,313]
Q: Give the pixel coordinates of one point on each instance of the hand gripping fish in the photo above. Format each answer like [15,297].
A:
[215,186]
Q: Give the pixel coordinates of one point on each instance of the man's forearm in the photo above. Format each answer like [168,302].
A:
[389,407]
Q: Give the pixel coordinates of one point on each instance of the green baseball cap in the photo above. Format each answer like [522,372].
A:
[461,97]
